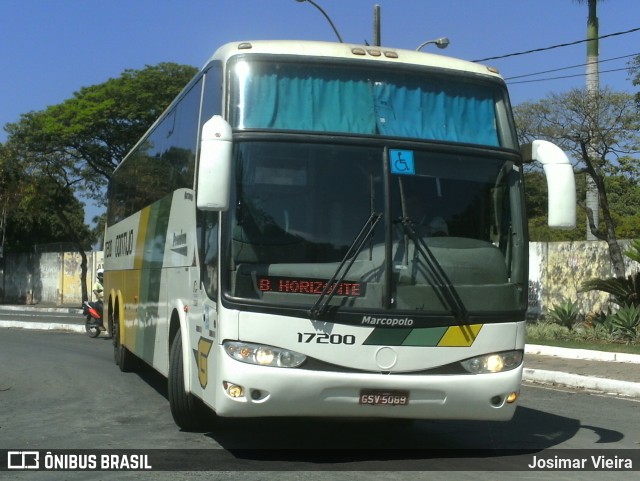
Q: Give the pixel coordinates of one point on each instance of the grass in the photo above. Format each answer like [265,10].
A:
[595,346]
[596,336]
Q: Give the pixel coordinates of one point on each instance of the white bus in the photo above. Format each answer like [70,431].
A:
[328,229]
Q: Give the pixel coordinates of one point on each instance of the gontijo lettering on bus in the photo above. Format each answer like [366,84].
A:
[121,246]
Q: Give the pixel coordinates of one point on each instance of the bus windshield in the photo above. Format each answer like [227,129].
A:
[449,220]
[419,103]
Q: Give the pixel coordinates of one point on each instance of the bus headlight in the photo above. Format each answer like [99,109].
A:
[263,355]
[497,362]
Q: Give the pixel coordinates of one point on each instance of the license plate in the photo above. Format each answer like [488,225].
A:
[374,397]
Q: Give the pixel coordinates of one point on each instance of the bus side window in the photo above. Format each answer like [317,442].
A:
[212,100]
[208,250]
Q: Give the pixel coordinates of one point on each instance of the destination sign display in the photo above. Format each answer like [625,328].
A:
[301,285]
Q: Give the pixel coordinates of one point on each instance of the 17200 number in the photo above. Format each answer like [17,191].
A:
[324,338]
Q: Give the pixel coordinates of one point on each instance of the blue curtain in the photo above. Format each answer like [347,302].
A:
[314,104]
[457,113]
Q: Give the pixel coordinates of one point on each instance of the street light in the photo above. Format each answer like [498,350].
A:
[325,16]
[442,42]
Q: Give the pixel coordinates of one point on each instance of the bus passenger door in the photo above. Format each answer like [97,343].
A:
[207,323]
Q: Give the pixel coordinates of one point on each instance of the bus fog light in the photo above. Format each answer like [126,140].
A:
[233,390]
[496,362]
[512,397]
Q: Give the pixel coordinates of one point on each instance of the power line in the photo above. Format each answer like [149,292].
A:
[557,46]
[571,66]
[564,76]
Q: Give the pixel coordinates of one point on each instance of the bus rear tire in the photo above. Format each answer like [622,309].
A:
[188,412]
[125,360]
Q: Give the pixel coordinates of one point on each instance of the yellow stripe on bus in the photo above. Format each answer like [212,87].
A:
[143,224]
[460,336]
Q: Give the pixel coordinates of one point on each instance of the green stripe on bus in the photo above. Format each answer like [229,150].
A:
[453,336]
[387,337]
[151,276]
[425,337]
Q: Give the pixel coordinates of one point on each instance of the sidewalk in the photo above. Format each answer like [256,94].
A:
[604,372]
[75,323]
[598,371]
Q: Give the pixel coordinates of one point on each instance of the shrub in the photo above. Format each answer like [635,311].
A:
[547,330]
[566,314]
[599,333]
[626,322]
[598,327]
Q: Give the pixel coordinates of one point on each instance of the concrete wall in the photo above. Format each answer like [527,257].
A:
[51,278]
[556,270]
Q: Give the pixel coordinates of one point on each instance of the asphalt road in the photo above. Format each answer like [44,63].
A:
[63,391]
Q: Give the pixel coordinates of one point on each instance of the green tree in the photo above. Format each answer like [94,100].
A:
[42,206]
[74,146]
[89,134]
[634,74]
[10,177]
[30,205]
[600,132]
[623,193]
[44,214]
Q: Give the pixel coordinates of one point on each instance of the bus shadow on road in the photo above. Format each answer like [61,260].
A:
[336,442]
[530,429]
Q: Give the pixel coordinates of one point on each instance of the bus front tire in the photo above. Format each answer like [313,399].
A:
[188,412]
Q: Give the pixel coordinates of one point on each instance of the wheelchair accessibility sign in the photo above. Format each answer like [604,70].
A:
[401,162]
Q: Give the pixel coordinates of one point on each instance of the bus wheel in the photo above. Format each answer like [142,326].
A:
[188,412]
[121,355]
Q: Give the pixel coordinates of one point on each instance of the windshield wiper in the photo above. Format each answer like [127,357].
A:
[322,303]
[445,290]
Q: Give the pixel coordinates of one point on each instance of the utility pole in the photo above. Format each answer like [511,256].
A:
[377,38]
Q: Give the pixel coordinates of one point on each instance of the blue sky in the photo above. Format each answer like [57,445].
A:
[51,48]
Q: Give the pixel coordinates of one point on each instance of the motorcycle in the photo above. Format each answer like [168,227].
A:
[93,312]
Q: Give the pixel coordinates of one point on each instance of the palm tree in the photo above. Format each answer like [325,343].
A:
[592,86]
[593,81]
[594,193]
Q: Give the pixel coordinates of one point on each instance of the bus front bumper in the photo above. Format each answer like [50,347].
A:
[246,390]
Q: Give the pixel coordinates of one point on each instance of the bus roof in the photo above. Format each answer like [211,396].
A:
[348,51]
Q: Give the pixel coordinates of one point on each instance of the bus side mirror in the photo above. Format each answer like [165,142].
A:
[561,183]
[214,167]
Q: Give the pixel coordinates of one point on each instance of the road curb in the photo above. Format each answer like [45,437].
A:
[44,326]
[608,386]
[583,354]
[35,307]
